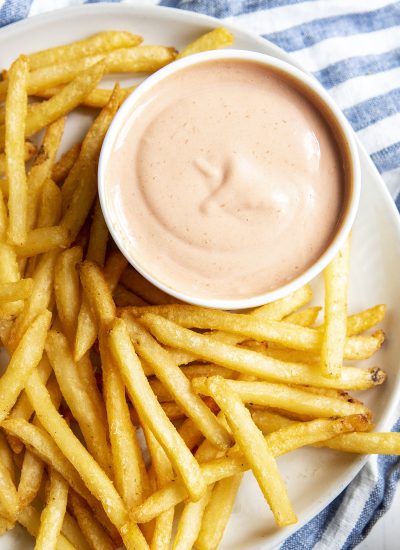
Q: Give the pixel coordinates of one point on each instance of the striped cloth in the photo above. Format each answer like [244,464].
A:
[353,49]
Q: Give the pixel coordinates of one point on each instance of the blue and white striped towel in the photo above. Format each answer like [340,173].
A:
[353,48]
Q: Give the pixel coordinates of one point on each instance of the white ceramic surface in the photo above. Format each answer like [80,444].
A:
[314,476]
[309,85]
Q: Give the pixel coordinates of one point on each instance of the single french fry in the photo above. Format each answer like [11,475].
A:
[366,443]
[141,286]
[43,239]
[9,503]
[281,442]
[49,211]
[97,43]
[217,513]
[284,397]
[86,330]
[90,527]
[41,171]
[20,290]
[97,99]
[14,142]
[336,276]
[128,464]
[29,517]
[73,533]
[277,310]
[250,362]
[113,269]
[75,393]
[6,457]
[91,145]
[31,478]
[98,238]
[213,40]
[9,273]
[255,449]
[94,477]
[124,297]
[41,115]
[62,167]
[303,317]
[29,149]
[67,289]
[190,522]
[23,361]
[39,299]
[360,322]
[150,410]
[3,218]
[98,293]
[177,384]
[52,516]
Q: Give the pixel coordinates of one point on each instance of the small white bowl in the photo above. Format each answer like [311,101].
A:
[312,89]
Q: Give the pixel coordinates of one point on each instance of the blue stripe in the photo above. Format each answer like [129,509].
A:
[308,34]
[12,11]
[306,537]
[339,72]
[387,159]
[228,8]
[371,110]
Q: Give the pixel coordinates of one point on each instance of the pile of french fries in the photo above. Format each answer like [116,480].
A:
[99,357]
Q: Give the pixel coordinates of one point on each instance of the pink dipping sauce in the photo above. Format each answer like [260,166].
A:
[227,180]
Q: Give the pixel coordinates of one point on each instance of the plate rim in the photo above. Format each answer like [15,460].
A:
[388,417]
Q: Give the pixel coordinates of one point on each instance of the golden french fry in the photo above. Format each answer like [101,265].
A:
[128,464]
[281,442]
[360,322]
[253,363]
[75,393]
[52,516]
[113,269]
[29,517]
[304,317]
[336,276]
[366,443]
[86,330]
[141,286]
[29,149]
[90,527]
[41,172]
[217,512]
[177,384]
[285,397]
[255,449]
[124,297]
[49,212]
[73,533]
[67,289]
[190,522]
[97,43]
[9,292]
[150,411]
[213,40]
[283,307]
[248,326]
[9,504]
[41,115]
[98,238]
[39,299]
[140,59]
[98,293]
[43,239]
[97,99]
[14,142]
[3,218]
[31,478]
[62,167]
[23,361]
[91,145]
[94,477]
[6,457]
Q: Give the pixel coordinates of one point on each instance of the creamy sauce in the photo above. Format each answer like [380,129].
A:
[227,179]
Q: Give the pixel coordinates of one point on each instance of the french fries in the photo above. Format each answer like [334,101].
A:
[98,355]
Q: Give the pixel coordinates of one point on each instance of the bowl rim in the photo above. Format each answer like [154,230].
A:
[306,81]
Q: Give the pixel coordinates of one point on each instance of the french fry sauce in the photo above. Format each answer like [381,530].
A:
[96,350]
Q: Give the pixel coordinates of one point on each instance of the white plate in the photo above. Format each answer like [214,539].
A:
[314,477]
